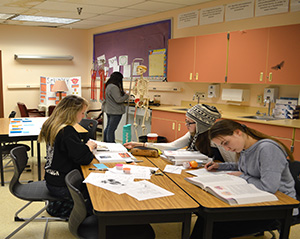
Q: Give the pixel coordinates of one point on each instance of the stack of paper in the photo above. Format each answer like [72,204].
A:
[177,157]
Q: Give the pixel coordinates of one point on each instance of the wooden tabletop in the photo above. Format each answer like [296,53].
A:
[107,201]
[207,200]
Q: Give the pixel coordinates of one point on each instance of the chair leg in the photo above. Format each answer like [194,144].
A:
[34,218]
[43,218]
[26,222]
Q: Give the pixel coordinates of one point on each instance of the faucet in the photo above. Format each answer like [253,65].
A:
[196,96]
[268,101]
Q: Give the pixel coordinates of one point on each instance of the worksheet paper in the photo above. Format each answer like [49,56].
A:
[144,190]
[203,171]
[173,169]
[112,182]
[137,172]
[141,190]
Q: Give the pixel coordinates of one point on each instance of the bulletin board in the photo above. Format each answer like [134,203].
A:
[121,47]
[47,97]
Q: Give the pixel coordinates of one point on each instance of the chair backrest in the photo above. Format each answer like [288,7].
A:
[295,171]
[91,126]
[74,183]
[23,109]
[20,159]
[12,114]
[50,109]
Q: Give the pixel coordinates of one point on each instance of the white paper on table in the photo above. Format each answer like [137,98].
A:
[112,182]
[144,190]
[173,169]
[138,172]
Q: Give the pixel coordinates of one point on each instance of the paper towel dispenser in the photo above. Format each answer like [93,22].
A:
[238,95]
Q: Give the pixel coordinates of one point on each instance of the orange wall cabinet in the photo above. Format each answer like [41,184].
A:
[210,58]
[198,59]
[247,56]
[168,124]
[284,53]
[181,59]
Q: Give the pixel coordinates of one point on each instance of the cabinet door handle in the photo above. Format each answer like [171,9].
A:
[270,76]
[191,76]
[196,76]
[261,77]
[173,126]
[179,127]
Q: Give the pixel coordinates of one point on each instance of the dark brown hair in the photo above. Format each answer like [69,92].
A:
[203,144]
[227,127]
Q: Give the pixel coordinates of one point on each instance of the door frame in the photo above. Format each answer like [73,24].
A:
[1,89]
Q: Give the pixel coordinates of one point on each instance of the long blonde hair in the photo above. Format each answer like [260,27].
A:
[65,113]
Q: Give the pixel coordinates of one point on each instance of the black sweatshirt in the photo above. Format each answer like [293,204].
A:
[69,153]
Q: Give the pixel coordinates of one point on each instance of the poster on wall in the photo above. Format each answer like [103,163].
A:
[267,7]
[47,97]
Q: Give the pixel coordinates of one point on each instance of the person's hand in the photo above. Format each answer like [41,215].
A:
[211,166]
[92,145]
[237,173]
[131,145]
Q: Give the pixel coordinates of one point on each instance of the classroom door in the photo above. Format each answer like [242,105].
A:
[1,89]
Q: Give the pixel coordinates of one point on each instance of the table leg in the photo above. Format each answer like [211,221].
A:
[101,228]
[286,224]
[39,160]
[208,227]
[1,166]
[186,226]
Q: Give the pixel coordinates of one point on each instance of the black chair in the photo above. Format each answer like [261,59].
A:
[91,126]
[98,117]
[32,192]
[295,171]
[86,227]
[7,147]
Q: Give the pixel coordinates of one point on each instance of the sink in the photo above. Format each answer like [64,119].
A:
[260,117]
[183,109]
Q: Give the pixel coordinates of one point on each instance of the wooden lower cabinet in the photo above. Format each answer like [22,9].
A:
[168,124]
[284,134]
[297,145]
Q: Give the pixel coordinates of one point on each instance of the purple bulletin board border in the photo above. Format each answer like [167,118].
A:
[136,42]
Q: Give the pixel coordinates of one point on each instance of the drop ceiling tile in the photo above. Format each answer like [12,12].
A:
[131,12]
[156,6]
[113,3]
[69,7]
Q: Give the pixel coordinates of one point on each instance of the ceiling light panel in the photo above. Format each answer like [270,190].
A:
[44,19]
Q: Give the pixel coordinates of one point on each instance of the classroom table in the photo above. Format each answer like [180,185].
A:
[4,137]
[213,209]
[115,209]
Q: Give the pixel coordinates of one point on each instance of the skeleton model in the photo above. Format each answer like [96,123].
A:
[140,90]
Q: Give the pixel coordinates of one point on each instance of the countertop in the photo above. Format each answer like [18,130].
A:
[235,115]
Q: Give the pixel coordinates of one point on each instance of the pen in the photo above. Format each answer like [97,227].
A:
[99,169]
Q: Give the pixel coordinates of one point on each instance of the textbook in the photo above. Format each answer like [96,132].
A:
[112,153]
[178,157]
[231,189]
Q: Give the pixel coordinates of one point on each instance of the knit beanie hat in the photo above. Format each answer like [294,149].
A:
[204,116]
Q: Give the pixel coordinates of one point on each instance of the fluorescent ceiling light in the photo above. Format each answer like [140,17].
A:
[44,19]
[5,16]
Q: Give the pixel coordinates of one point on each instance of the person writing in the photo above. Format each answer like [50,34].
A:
[199,119]
[65,149]
[262,162]
[113,105]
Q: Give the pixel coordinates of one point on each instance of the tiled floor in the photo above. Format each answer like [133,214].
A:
[59,230]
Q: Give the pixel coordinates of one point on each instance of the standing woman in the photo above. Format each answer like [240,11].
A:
[65,149]
[262,162]
[113,105]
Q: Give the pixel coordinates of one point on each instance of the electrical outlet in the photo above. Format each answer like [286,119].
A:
[200,95]
[259,99]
